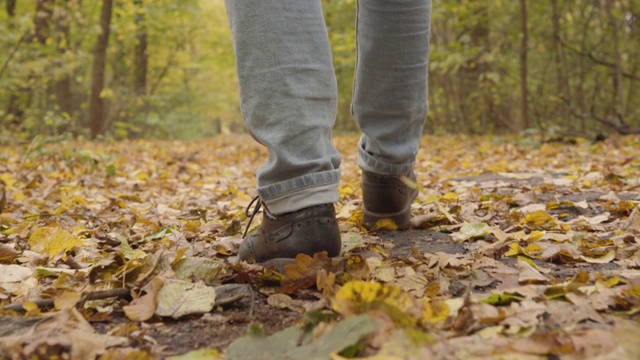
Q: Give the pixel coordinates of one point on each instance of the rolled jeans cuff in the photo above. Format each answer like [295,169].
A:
[301,192]
[367,162]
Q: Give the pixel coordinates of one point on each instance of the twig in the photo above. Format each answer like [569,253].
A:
[95,295]
[596,60]
[5,65]
[24,157]
[620,126]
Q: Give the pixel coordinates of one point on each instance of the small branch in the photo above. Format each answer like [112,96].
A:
[95,295]
[620,126]
[596,60]
[5,65]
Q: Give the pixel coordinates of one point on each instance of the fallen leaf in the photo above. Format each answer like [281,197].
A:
[607,258]
[529,274]
[14,273]
[284,301]
[67,300]
[358,297]
[177,299]
[292,343]
[200,354]
[7,253]
[144,307]
[303,273]
[472,231]
[52,240]
[198,268]
[64,332]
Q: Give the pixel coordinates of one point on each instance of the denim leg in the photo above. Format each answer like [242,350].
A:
[288,96]
[390,91]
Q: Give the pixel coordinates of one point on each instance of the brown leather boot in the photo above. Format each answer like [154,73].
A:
[387,197]
[310,230]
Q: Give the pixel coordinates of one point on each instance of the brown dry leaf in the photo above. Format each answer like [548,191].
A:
[524,314]
[529,274]
[357,267]
[144,307]
[633,222]
[326,282]
[303,273]
[7,253]
[284,301]
[66,332]
[542,344]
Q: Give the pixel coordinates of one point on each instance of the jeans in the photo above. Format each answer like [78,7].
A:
[289,93]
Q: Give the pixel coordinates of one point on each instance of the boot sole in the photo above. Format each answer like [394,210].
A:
[279,263]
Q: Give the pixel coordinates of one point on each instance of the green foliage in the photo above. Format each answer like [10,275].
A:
[583,67]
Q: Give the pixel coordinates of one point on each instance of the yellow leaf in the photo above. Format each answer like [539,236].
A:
[533,248]
[537,218]
[450,197]
[610,282]
[410,183]
[19,196]
[514,249]
[536,235]
[357,297]
[434,311]
[386,224]
[52,240]
[8,179]
[31,308]
[66,300]
[607,258]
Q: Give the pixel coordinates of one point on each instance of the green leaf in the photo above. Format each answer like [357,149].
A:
[127,251]
[110,170]
[501,299]
[287,343]
[200,354]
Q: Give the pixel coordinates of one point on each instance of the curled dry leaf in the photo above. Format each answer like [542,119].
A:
[144,307]
[303,273]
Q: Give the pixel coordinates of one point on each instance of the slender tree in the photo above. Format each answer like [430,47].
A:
[141,55]
[97,116]
[20,100]
[11,8]
[524,92]
[62,86]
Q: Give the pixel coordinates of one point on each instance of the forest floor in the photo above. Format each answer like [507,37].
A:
[520,249]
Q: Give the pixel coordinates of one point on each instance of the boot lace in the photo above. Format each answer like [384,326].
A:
[252,213]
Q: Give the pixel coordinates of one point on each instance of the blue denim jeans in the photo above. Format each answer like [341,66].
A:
[289,94]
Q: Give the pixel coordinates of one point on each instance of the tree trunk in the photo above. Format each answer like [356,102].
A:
[11,8]
[96,103]
[562,85]
[524,93]
[41,21]
[20,100]
[618,94]
[62,86]
[141,55]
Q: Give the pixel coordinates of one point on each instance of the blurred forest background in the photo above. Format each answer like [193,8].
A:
[165,68]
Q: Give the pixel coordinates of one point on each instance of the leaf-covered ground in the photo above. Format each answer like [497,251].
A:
[520,250]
